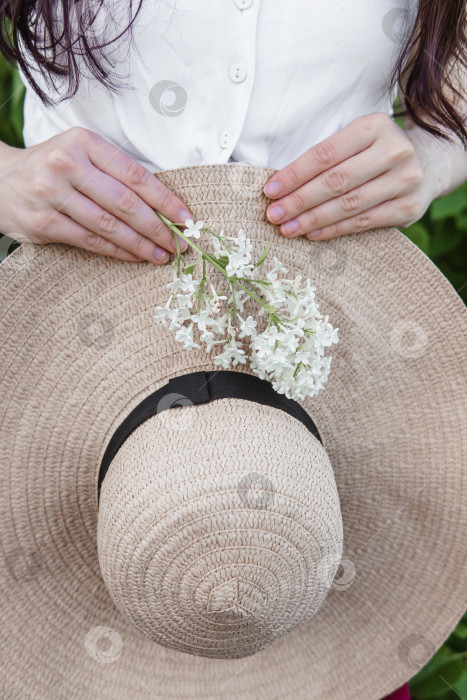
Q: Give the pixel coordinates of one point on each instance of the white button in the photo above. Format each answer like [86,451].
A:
[243,4]
[225,138]
[238,72]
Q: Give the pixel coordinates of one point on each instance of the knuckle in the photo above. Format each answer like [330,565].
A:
[374,122]
[44,188]
[298,201]
[312,219]
[414,177]
[336,181]
[157,231]
[409,207]
[295,176]
[363,221]
[324,153]
[378,119]
[401,151]
[94,241]
[137,174]
[60,160]
[107,222]
[139,247]
[334,230]
[350,201]
[164,198]
[127,202]
[78,134]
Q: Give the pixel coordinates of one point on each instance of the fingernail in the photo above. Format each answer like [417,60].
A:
[160,255]
[272,188]
[290,226]
[184,214]
[314,234]
[276,213]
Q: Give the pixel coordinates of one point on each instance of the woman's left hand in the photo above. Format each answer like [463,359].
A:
[367,175]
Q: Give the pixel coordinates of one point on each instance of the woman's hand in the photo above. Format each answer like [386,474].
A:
[79,189]
[367,175]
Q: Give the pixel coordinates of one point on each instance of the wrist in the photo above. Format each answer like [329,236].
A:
[8,155]
[436,159]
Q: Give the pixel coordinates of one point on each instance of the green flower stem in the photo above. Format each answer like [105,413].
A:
[210,259]
[233,313]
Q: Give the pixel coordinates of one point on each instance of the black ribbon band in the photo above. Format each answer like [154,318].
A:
[202,387]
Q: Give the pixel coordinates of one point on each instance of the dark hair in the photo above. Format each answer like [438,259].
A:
[436,47]
[64,39]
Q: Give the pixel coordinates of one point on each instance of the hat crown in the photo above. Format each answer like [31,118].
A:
[219,527]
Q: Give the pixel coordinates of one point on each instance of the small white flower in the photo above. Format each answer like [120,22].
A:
[289,352]
[185,335]
[216,300]
[238,265]
[188,284]
[184,300]
[248,327]
[232,354]
[201,319]
[218,325]
[219,249]
[177,317]
[192,229]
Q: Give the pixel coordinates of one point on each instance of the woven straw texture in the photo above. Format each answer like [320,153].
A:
[196,559]
[80,350]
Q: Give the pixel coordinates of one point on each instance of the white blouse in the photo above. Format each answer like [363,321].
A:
[253,81]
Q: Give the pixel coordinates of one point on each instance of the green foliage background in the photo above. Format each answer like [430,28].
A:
[442,234]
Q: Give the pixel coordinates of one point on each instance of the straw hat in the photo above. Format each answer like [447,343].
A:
[244,545]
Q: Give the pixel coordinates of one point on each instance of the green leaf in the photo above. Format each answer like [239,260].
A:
[461,630]
[441,656]
[418,234]
[189,269]
[451,204]
[445,241]
[461,222]
[439,677]
[263,256]
[438,684]
[223,261]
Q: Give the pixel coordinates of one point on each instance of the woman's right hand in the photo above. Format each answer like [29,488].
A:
[79,189]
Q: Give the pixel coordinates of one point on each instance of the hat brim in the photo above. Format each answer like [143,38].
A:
[80,349]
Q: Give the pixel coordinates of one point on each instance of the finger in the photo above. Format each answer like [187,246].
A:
[114,197]
[345,143]
[380,189]
[337,181]
[385,214]
[122,167]
[62,229]
[94,218]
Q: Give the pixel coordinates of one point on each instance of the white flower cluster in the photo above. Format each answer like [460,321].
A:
[289,351]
